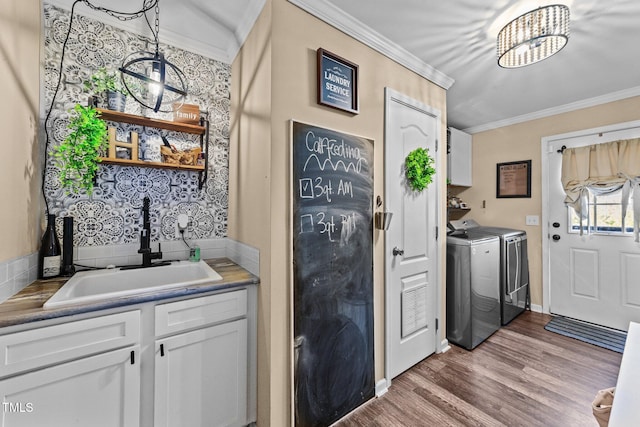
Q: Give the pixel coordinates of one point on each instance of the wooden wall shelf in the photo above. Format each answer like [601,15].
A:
[456,213]
[140,163]
[203,131]
[116,116]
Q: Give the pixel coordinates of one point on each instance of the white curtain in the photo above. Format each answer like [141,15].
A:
[602,169]
[629,168]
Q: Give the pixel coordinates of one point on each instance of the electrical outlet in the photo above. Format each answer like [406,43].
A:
[532,220]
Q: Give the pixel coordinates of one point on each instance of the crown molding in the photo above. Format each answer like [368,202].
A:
[566,108]
[346,23]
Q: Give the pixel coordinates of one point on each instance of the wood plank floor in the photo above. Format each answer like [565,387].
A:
[522,375]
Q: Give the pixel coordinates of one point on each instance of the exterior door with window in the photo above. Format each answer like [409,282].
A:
[593,276]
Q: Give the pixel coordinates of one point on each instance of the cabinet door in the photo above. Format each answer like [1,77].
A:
[459,158]
[201,377]
[102,390]
[52,345]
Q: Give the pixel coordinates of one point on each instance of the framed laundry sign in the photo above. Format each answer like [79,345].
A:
[337,82]
[513,179]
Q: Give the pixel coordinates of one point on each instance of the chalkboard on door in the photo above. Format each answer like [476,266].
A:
[332,232]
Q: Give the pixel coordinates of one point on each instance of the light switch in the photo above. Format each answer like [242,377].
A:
[532,220]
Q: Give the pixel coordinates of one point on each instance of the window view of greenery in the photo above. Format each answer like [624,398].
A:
[605,215]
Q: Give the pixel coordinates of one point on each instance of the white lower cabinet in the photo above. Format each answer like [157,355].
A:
[72,374]
[201,377]
[102,390]
[189,362]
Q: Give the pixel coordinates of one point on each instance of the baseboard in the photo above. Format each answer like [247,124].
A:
[381,387]
[444,346]
[537,308]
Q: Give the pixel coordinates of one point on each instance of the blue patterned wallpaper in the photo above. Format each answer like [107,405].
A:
[112,214]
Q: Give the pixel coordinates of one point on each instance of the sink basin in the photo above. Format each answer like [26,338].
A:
[96,285]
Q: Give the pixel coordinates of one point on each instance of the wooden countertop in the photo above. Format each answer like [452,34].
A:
[26,305]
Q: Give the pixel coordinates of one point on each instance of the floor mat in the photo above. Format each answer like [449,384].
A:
[592,334]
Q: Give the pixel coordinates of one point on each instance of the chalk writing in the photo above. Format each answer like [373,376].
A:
[331,147]
[345,188]
[348,228]
[333,153]
[323,224]
[326,224]
[323,189]
[306,188]
[310,188]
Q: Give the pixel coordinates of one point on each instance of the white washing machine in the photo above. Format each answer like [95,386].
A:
[473,285]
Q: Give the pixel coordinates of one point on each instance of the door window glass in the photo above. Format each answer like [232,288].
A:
[605,216]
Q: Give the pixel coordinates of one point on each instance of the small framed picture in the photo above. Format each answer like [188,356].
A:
[337,82]
[513,179]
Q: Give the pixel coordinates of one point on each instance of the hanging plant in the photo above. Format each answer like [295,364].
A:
[78,155]
[104,80]
[419,169]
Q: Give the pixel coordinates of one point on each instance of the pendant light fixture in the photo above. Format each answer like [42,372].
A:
[534,36]
[162,83]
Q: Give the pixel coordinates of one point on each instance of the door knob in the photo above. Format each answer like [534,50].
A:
[556,225]
[555,237]
[397,251]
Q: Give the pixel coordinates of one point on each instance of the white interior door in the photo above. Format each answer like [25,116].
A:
[592,277]
[411,277]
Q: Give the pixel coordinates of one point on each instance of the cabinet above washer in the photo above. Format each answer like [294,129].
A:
[459,158]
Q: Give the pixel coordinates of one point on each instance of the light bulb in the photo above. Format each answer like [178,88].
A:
[522,49]
[154,88]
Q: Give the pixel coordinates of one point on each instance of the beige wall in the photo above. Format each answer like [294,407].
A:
[249,212]
[286,40]
[523,142]
[19,112]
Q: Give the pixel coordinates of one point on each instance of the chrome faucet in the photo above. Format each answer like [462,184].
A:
[145,237]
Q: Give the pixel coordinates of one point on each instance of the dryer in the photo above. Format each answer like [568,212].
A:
[514,271]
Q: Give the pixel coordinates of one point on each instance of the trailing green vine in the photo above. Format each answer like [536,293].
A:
[79,154]
[419,169]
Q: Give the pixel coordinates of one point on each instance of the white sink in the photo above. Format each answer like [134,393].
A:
[96,285]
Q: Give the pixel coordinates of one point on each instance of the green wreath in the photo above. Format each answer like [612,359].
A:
[419,169]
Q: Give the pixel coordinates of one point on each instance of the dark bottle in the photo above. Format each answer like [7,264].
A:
[67,247]
[49,255]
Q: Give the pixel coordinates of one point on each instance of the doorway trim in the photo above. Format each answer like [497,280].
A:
[546,149]
[440,346]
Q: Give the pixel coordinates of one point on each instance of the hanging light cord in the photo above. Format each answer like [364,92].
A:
[155,31]
[122,16]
